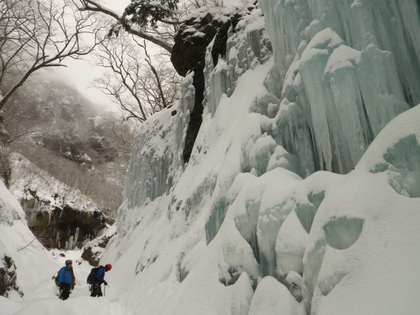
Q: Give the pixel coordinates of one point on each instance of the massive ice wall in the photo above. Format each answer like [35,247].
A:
[346,68]
[257,222]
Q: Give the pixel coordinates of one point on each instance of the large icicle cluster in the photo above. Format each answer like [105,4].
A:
[349,66]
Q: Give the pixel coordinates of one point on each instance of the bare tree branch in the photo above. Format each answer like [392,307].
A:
[40,35]
[134,83]
[89,5]
[155,73]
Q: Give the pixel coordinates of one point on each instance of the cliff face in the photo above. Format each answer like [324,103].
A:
[64,228]
[304,169]
[59,216]
[342,71]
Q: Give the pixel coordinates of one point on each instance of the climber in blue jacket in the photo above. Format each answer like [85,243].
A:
[66,279]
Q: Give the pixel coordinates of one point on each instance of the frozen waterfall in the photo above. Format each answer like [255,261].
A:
[351,66]
[301,195]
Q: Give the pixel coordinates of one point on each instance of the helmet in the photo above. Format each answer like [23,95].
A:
[108,266]
[68,262]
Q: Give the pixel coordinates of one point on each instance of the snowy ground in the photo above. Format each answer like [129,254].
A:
[79,302]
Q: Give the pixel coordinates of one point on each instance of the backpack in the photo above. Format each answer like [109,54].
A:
[57,278]
[92,275]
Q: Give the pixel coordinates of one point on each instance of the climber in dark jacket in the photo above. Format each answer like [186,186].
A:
[66,279]
[99,279]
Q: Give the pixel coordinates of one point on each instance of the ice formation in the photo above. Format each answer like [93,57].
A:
[345,65]
[301,195]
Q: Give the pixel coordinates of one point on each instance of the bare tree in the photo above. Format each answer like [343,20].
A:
[125,135]
[18,119]
[37,34]
[140,85]
[160,82]
[138,15]
[154,21]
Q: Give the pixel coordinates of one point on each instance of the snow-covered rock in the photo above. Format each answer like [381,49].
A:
[25,265]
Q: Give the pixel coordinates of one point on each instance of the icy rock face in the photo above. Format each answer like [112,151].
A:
[350,67]
[192,39]
[247,45]
[345,229]
[60,217]
[158,164]
[276,219]
[256,222]
[272,298]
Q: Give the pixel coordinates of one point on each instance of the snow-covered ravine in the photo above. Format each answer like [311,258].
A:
[302,192]
[42,298]
[28,268]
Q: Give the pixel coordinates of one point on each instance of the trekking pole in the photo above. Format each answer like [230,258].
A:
[104,289]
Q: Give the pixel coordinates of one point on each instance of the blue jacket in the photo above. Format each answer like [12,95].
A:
[100,274]
[65,275]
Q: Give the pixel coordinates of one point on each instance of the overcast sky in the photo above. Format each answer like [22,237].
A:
[82,73]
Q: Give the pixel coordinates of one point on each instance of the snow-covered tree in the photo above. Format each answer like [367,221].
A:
[141,18]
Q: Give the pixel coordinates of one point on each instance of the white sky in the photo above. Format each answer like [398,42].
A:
[81,73]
